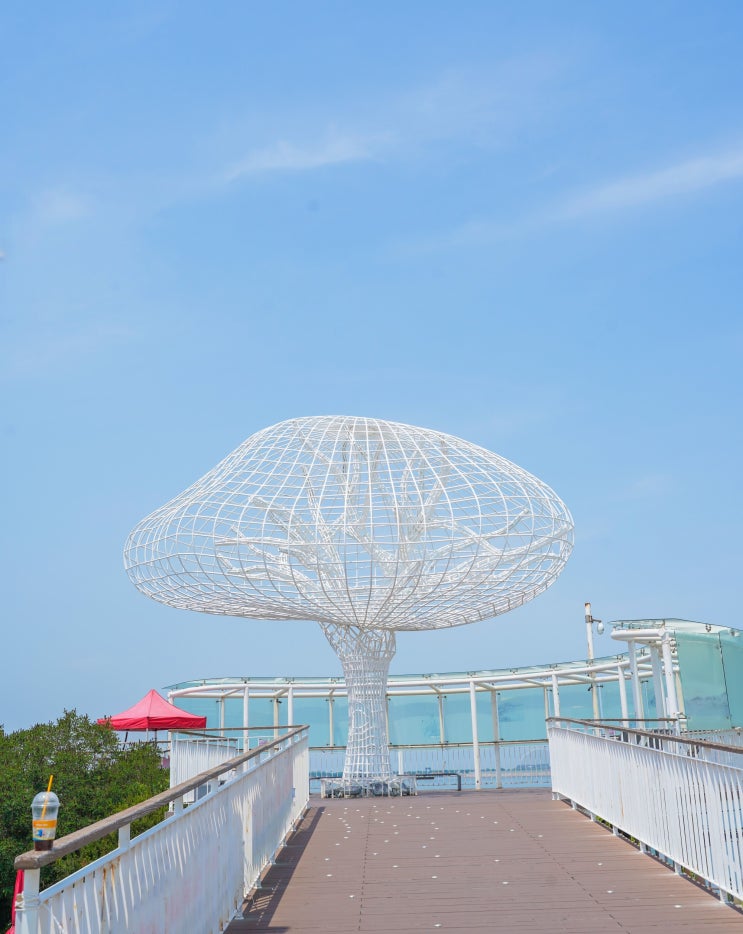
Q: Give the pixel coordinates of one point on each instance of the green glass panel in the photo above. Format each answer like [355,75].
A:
[610,701]
[457,718]
[314,712]
[521,714]
[484,708]
[233,711]
[413,720]
[576,702]
[648,698]
[260,711]
[340,721]
[703,681]
[731,645]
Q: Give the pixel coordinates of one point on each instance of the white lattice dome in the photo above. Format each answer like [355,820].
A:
[355,522]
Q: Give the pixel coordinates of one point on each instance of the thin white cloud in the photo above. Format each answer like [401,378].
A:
[289,157]
[613,197]
[484,109]
[637,190]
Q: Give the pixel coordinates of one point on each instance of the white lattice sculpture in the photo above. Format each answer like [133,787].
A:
[366,526]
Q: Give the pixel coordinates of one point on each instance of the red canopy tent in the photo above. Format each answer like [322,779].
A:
[154,713]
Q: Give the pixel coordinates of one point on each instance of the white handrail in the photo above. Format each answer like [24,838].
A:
[191,871]
[680,798]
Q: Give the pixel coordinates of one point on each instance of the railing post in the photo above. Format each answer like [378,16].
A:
[636,686]
[475,738]
[660,702]
[290,706]
[496,737]
[27,912]
[246,711]
[673,704]
[125,836]
[623,693]
[555,695]
[442,725]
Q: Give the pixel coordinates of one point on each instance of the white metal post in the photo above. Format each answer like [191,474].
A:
[246,711]
[290,706]
[221,714]
[589,632]
[125,836]
[27,912]
[636,686]
[331,724]
[660,705]
[496,737]
[622,692]
[555,695]
[673,704]
[475,738]
[442,726]
[592,676]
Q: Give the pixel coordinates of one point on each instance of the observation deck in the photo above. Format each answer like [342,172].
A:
[247,826]
[512,860]
[240,819]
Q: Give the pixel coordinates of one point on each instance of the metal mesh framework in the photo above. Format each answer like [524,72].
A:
[366,526]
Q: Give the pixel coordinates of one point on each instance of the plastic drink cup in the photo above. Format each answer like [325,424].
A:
[44,810]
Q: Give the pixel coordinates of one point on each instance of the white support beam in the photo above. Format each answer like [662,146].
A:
[475,737]
[673,704]
[660,703]
[290,706]
[622,692]
[246,718]
[496,737]
[636,686]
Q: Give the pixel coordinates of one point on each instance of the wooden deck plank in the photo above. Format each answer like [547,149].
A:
[510,860]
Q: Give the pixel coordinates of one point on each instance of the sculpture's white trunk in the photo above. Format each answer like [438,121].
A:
[365,656]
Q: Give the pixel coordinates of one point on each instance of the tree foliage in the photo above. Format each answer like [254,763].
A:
[93,778]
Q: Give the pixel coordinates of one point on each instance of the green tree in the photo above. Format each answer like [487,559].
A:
[93,778]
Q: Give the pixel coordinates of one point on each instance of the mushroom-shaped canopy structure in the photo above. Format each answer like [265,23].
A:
[368,527]
[355,522]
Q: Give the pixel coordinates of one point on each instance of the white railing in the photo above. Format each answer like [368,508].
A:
[192,870]
[502,764]
[732,737]
[190,755]
[681,798]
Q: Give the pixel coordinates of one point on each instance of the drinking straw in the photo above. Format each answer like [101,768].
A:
[46,800]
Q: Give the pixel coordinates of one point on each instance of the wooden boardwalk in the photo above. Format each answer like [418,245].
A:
[507,861]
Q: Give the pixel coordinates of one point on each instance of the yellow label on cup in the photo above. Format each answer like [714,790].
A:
[44,829]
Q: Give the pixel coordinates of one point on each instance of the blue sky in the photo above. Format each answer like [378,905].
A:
[520,224]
